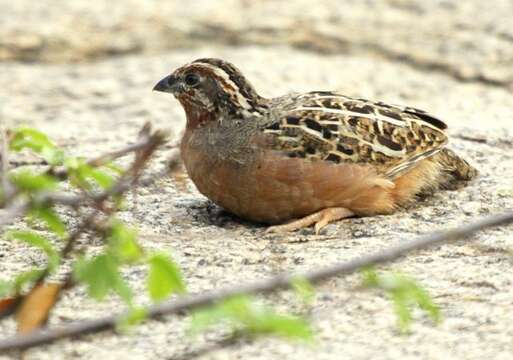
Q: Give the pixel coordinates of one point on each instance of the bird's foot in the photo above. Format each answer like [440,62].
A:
[320,219]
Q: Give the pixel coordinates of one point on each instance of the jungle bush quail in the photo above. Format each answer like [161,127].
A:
[311,158]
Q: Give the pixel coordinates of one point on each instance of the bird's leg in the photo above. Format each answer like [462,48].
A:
[320,219]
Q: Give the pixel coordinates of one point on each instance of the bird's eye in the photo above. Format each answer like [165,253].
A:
[191,79]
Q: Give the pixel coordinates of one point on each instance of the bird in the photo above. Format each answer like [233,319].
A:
[305,159]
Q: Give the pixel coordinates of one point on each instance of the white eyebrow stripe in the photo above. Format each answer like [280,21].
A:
[351,113]
[223,75]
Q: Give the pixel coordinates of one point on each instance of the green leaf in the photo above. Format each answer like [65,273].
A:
[27,181]
[25,137]
[82,173]
[72,163]
[370,277]
[209,316]
[425,302]
[53,156]
[40,242]
[304,289]
[402,310]
[103,179]
[134,316]
[51,218]
[119,202]
[115,168]
[26,277]
[281,325]
[164,277]
[404,292]
[6,288]
[244,315]
[101,275]
[123,242]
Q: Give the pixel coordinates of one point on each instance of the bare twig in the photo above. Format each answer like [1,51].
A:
[108,157]
[9,214]
[272,284]
[145,136]
[116,154]
[18,163]
[144,148]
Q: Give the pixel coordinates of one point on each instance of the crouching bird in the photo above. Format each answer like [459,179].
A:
[305,158]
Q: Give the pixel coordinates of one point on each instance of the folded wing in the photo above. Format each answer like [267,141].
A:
[331,127]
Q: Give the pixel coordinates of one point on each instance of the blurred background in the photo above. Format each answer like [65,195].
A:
[96,60]
[470,39]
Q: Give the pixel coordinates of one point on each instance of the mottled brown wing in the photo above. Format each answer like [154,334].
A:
[333,127]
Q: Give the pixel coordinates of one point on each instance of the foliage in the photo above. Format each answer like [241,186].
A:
[304,290]
[38,241]
[164,277]
[404,293]
[102,273]
[245,316]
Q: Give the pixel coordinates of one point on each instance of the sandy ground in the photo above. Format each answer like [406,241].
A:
[83,74]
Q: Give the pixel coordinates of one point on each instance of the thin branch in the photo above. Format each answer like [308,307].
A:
[144,138]
[108,157]
[144,148]
[272,284]
[9,214]
[18,163]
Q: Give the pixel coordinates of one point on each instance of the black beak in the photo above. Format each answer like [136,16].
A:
[167,84]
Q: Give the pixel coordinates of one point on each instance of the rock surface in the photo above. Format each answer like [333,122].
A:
[63,73]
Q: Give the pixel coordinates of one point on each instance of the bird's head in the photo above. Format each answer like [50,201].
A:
[212,88]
